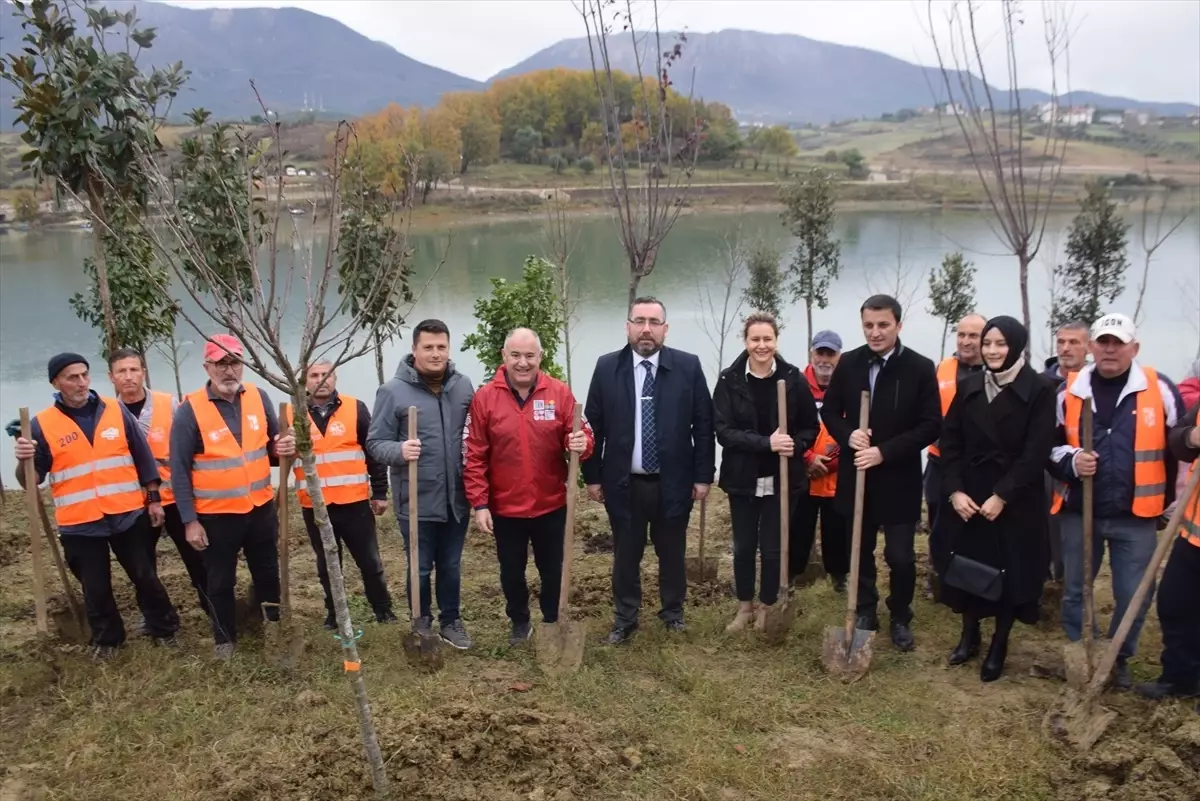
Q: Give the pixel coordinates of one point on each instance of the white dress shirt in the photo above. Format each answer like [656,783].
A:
[875,369]
[639,376]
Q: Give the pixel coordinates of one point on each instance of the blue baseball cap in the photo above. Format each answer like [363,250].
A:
[828,340]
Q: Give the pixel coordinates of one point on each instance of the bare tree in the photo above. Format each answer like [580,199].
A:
[253,297]
[721,304]
[1189,294]
[650,155]
[902,280]
[561,239]
[1019,175]
[1153,237]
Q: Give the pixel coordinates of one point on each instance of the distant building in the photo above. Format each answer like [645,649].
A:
[951,109]
[1068,117]
[1137,118]
[289,171]
[1116,118]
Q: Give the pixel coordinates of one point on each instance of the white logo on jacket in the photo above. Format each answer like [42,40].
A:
[336,429]
[252,419]
[110,433]
[1149,418]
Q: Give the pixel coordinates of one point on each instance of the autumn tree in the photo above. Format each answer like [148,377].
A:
[951,292]
[84,110]
[808,211]
[777,141]
[1094,273]
[478,132]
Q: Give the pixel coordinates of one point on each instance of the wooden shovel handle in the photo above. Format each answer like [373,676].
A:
[1089,612]
[281,505]
[860,493]
[1189,498]
[703,520]
[784,505]
[33,500]
[414,572]
[564,588]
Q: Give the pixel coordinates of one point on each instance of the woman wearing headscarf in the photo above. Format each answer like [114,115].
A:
[995,441]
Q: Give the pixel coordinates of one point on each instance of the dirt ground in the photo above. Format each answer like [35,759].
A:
[700,716]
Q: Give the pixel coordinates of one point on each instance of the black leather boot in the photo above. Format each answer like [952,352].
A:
[968,644]
[993,663]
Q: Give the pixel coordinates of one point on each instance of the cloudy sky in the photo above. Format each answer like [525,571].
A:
[1145,49]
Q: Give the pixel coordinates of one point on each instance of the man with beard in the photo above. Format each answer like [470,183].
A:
[655,453]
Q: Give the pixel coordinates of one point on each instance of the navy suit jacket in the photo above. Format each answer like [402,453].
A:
[683,414]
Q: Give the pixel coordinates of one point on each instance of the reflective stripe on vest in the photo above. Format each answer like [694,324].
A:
[340,460]
[947,378]
[1149,445]
[823,486]
[231,477]
[89,480]
[1189,529]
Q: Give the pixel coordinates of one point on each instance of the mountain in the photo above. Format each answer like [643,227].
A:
[778,77]
[288,52]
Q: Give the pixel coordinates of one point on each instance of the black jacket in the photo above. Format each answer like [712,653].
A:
[737,427]
[684,414]
[906,417]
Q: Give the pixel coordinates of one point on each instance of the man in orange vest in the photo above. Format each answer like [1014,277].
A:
[353,484]
[1179,593]
[105,486]
[224,439]
[967,359]
[822,460]
[1134,406]
[153,411]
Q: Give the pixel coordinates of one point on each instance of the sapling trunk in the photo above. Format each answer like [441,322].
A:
[337,590]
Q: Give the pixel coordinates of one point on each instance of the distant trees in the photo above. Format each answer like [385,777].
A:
[951,292]
[856,165]
[808,211]
[526,142]
[1094,274]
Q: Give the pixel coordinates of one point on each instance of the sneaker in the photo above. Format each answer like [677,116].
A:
[385,616]
[621,634]
[675,626]
[423,625]
[166,642]
[104,653]
[520,633]
[455,634]
[1122,679]
[222,652]
[330,623]
[138,629]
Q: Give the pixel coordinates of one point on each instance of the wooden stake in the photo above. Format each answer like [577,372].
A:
[285,571]
[33,502]
[1089,611]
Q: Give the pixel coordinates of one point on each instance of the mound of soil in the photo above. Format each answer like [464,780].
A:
[1155,758]
[591,593]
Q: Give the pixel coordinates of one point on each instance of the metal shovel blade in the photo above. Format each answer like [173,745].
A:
[701,570]
[1079,720]
[778,619]
[559,646]
[848,663]
[423,650]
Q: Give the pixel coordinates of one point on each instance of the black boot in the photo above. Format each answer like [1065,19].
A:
[993,663]
[968,644]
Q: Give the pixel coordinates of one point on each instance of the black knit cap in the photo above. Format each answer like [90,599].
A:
[64,360]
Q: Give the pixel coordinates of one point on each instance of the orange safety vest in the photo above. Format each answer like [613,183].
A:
[947,378]
[341,461]
[90,479]
[823,486]
[1189,529]
[1149,445]
[231,477]
[158,434]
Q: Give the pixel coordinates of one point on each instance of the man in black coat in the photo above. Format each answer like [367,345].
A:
[905,418]
[652,415]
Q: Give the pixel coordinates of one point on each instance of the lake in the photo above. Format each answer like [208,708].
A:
[40,271]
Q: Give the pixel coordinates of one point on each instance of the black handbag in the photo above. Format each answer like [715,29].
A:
[975,577]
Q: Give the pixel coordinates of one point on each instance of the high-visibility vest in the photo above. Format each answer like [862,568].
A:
[231,477]
[1149,445]
[159,409]
[90,479]
[947,378]
[823,486]
[1190,528]
[341,461]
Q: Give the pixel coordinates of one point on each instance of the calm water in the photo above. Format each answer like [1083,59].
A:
[39,272]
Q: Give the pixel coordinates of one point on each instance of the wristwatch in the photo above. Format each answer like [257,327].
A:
[153,496]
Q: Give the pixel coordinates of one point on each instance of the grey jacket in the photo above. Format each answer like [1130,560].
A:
[440,423]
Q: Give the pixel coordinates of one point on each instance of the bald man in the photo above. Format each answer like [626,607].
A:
[967,359]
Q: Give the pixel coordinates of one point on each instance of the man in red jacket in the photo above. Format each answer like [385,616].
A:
[517,431]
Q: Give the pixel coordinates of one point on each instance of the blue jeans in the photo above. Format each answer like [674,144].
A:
[1131,542]
[440,544]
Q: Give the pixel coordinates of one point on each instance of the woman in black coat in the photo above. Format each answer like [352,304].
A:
[746,412]
[996,439]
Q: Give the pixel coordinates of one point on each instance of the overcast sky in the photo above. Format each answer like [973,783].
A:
[1144,49]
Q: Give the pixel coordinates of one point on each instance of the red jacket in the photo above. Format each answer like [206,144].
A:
[517,455]
[1189,391]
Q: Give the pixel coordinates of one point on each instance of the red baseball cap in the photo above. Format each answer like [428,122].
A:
[219,346]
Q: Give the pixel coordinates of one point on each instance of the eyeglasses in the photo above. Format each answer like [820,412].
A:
[642,322]
[225,366]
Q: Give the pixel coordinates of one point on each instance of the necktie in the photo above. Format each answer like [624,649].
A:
[877,363]
[649,434]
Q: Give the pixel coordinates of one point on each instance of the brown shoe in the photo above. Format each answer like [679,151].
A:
[741,619]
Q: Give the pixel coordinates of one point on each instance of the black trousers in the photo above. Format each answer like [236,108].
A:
[193,560]
[1178,600]
[514,537]
[87,557]
[253,533]
[835,538]
[934,502]
[669,536]
[354,528]
[755,529]
[900,557]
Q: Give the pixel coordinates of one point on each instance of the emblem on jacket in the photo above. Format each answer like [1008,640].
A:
[543,410]
[110,433]
[215,436]
[1149,418]
[336,429]
[252,419]
[158,435]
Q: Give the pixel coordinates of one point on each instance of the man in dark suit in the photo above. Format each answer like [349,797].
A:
[652,415]
[906,416]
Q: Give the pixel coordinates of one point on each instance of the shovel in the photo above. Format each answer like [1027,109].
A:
[34,500]
[559,645]
[1078,657]
[1078,718]
[702,569]
[778,618]
[846,652]
[421,647]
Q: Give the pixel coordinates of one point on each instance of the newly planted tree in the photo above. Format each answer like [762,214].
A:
[529,303]
[720,301]
[1157,227]
[951,292]
[561,238]
[1094,273]
[84,111]
[808,211]
[764,289]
